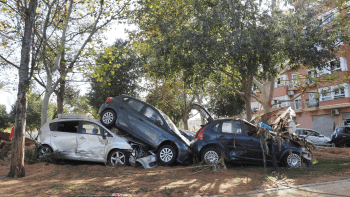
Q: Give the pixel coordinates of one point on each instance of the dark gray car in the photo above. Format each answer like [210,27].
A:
[147,124]
[341,136]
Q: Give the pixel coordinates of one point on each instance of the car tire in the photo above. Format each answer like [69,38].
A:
[118,156]
[166,155]
[44,150]
[210,155]
[293,160]
[108,118]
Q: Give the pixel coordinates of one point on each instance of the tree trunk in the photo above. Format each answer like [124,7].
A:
[45,107]
[248,109]
[199,100]
[185,113]
[62,87]
[17,155]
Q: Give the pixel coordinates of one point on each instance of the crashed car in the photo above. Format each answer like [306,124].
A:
[81,138]
[237,140]
[341,136]
[153,130]
[313,137]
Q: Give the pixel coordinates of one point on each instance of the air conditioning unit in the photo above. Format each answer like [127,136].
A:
[334,112]
[290,93]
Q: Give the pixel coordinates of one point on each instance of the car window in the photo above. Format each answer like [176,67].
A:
[216,127]
[91,128]
[347,130]
[136,105]
[233,127]
[68,126]
[153,115]
[250,129]
[53,126]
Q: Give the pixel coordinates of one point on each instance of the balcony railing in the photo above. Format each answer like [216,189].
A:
[297,105]
[311,103]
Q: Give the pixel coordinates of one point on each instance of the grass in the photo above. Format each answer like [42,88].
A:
[320,167]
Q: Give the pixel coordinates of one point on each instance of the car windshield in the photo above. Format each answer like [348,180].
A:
[173,127]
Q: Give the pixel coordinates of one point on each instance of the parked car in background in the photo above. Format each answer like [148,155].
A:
[81,138]
[148,125]
[236,139]
[341,136]
[313,137]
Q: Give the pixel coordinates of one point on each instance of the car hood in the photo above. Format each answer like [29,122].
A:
[202,111]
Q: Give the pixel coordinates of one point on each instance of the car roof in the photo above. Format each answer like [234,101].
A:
[73,117]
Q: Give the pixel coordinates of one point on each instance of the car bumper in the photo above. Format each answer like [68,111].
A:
[184,153]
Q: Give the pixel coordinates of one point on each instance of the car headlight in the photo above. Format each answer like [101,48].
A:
[307,155]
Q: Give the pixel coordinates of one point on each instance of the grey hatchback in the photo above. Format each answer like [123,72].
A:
[148,125]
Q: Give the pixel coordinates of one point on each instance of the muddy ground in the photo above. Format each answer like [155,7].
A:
[74,178]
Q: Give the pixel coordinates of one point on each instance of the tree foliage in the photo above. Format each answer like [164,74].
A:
[4,118]
[235,38]
[116,71]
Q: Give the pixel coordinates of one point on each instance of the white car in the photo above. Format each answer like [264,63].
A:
[81,138]
[313,136]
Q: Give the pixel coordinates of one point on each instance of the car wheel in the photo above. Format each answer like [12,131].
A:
[210,155]
[44,150]
[118,156]
[108,117]
[166,155]
[293,160]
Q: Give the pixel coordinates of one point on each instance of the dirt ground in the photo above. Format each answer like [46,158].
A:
[85,179]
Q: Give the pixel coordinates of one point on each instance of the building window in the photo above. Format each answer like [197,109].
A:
[295,80]
[339,93]
[297,104]
[311,74]
[335,66]
[325,94]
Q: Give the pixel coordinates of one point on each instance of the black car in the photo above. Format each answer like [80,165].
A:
[236,139]
[147,124]
[341,136]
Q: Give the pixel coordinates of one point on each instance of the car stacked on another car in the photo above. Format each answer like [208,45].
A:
[150,126]
[236,139]
[81,138]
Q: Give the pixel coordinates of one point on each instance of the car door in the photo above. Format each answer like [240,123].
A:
[91,142]
[234,139]
[64,138]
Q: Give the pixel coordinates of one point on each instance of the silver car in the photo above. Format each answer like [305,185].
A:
[81,138]
[314,137]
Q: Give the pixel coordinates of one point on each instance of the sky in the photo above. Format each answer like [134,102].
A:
[9,76]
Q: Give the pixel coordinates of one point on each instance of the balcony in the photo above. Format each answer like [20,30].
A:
[297,104]
[311,103]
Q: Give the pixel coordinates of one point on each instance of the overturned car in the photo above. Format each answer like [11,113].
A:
[152,134]
[239,140]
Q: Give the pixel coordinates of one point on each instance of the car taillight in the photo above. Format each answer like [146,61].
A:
[199,134]
[109,99]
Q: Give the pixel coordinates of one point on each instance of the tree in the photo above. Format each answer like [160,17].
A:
[117,71]
[234,38]
[62,40]
[172,97]
[26,12]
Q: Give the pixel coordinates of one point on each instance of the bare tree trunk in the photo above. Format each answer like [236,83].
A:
[17,156]
[199,100]
[184,115]
[62,87]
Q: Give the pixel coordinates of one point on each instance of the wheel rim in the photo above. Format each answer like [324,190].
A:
[294,160]
[107,118]
[166,154]
[211,157]
[44,151]
[118,157]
